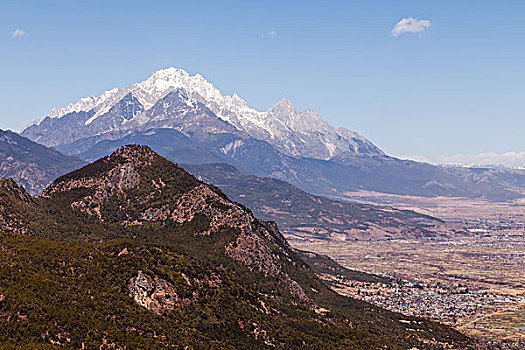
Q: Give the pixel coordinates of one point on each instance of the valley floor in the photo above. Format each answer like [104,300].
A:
[494,215]
[475,284]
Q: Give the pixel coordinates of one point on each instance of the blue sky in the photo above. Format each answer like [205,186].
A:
[454,91]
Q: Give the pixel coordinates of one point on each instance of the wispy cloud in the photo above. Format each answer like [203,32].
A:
[271,34]
[415,157]
[410,25]
[508,159]
[18,33]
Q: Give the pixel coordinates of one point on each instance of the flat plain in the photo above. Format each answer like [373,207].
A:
[489,263]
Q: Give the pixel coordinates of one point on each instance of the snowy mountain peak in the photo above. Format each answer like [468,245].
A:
[284,105]
[291,131]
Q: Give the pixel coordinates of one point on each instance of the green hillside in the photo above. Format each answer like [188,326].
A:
[133,252]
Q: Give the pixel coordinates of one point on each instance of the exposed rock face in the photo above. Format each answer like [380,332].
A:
[118,180]
[160,296]
[156,214]
[221,211]
[249,247]
[115,180]
[171,95]
[153,293]
[136,182]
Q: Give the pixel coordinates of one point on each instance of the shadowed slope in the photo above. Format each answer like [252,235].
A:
[30,164]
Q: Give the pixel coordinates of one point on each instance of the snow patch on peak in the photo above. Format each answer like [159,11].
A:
[231,148]
[297,133]
[231,109]
[331,148]
[283,104]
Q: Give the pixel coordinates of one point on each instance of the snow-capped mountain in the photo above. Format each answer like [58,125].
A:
[117,111]
[187,120]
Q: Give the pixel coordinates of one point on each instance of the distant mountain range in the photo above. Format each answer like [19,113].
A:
[481,166]
[300,215]
[134,252]
[303,216]
[30,164]
[188,120]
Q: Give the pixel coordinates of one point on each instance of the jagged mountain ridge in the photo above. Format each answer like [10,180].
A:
[295,133]
[210,272]
[187,120]
[30,164]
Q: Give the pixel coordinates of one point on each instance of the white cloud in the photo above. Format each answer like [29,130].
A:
[18,33]
[508,159]
[416,158]
[410,25]
[271,34]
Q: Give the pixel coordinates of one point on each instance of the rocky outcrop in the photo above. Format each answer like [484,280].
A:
[153,293]
[135,186]
[251,246]
[251,250]
[221,211]
[161,296]
[156,214]
[119,178]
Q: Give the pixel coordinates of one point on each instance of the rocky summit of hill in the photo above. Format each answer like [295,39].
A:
[131,251]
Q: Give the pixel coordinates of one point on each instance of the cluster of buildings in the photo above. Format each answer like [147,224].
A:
[446,303]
